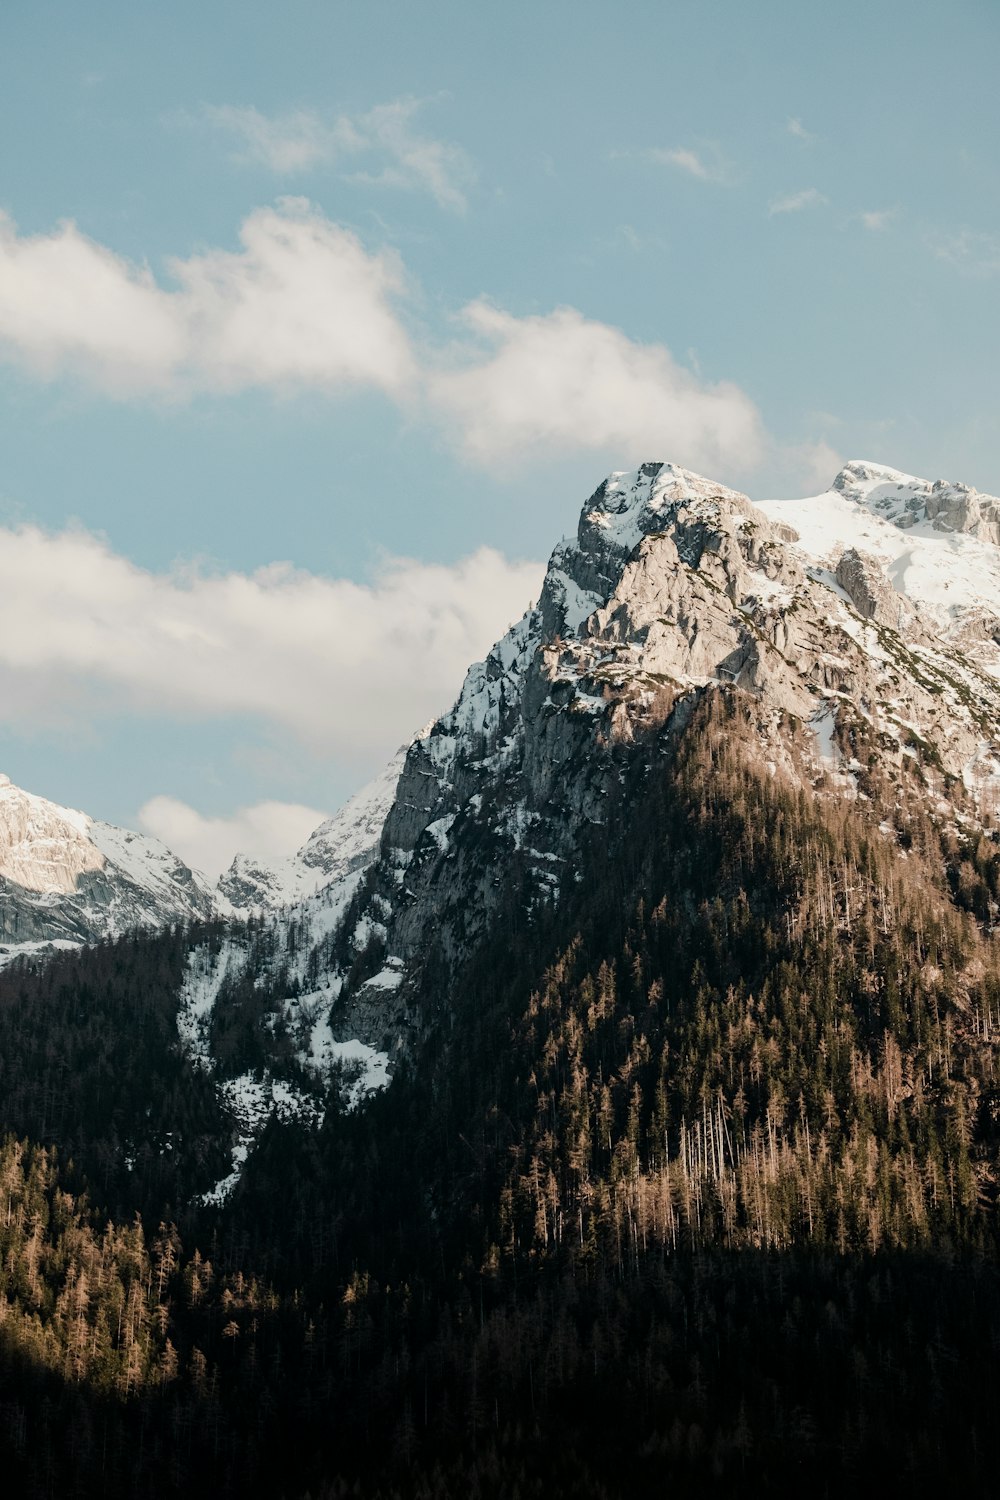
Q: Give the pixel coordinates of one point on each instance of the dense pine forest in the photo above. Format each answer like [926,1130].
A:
[693,1186]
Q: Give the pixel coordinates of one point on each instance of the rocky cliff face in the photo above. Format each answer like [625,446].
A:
[868,610]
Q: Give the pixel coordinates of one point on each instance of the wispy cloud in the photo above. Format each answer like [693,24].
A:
[387,137]
[706,164]
[796,128]
[877,219]
[793,203]
[680,156]
[295,141]
[969,251]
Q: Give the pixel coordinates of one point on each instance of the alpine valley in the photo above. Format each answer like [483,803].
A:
[603,1103]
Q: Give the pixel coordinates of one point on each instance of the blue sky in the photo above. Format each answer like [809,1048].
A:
[380,293]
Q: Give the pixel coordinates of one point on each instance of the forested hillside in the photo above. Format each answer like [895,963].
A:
[694,1184]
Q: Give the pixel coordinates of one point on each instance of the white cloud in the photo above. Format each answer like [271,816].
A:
[267,831]
[415,161]
[793,203]
[294,141]
[69,303]
[706,164]
[302,139]
[688,161]
[562,382]
[795,127]
[301,303]
[348,669]
[969,250]
[877,219]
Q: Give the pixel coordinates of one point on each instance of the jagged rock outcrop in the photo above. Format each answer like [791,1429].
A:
[673,587]
[870,591]
[958,507]
[907,501]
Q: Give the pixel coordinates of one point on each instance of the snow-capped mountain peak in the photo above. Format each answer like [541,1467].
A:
[938,543]
[870,610]
[67,877]
[43,847]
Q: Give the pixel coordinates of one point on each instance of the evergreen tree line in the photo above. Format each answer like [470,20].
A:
[694,1186]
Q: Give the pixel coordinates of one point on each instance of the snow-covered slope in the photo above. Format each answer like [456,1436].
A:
[65,877]
[344,843]
[938,543]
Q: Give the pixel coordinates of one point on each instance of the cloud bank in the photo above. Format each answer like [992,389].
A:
[562,381]
[304,305]
[794,203]
[347,669]
[300,304]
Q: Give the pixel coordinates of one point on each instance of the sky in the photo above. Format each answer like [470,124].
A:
[318,323]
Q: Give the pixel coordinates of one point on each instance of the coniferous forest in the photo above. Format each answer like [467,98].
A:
[692,1188]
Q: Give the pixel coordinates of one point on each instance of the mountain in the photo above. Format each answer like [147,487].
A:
[627,1119]
[863,624]
[869,616]
[871,610]
[857,627]
[68,878]
[342,844]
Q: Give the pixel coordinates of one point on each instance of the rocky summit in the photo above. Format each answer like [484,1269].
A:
[869,615]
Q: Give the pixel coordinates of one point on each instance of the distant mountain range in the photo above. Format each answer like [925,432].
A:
[67,878]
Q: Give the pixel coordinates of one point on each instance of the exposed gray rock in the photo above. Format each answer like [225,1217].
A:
[865,582]
[958,507]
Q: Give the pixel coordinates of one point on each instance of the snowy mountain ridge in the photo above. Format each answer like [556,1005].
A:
[340,845]
[868,616]
[871,611]
[66,878]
